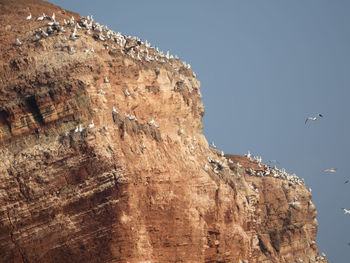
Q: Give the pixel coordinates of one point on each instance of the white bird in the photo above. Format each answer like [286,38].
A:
[41,18]
[44,34]
[19,43]
[71,21]
[126,92]
[248,154]
[115,110]
[91,125]
[29,17]
[106,80]
[346,211]
[92,50]
[330,170]
[73,36]
[313,118]
[53,17]
[213,144]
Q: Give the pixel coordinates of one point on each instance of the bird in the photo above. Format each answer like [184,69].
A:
[29,17]
[114,110]
[213,144]
[313,118]
[346,211]
[19,43]
[346,181]
[91,125]
[248,154]
[73,36]
[330,170]
[126,92]
[41,18]
[53,17]
[106,80]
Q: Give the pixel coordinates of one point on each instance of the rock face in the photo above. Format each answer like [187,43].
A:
[103,160]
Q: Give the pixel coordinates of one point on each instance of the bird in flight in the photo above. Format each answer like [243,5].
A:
[330,170]
[346,211]
[313,118]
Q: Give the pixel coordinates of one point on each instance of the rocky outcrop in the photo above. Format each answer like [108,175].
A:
[103,160]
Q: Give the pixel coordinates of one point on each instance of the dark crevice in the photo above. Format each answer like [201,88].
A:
[31,102]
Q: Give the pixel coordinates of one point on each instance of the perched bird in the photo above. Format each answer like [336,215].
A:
[248,154]
[106,80]
[41,18]
[29,17]
[213,144]
[126,92]
[53,17]
[330,170]
[73,36]
[114,110]
[18,42]
[346,211]
[313,118]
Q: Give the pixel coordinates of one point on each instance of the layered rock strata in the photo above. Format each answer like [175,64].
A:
[103,159]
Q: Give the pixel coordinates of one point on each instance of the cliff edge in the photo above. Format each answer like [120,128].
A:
[103,159]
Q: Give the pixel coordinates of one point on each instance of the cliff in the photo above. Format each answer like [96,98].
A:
[103,160]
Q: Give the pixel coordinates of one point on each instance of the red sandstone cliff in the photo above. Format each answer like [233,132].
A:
[127,189]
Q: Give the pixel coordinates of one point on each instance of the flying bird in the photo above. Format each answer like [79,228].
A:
[313,118]
[346,181]
[330,170]
[346,211]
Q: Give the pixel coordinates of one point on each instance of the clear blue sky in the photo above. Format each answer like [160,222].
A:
[264,66]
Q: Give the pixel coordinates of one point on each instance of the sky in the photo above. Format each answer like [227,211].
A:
[264,66]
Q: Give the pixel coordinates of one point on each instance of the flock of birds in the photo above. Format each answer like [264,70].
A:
[132,46]
[330,170]
[71,30]
[137,49]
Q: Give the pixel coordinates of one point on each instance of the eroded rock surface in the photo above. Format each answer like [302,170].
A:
[103,160]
